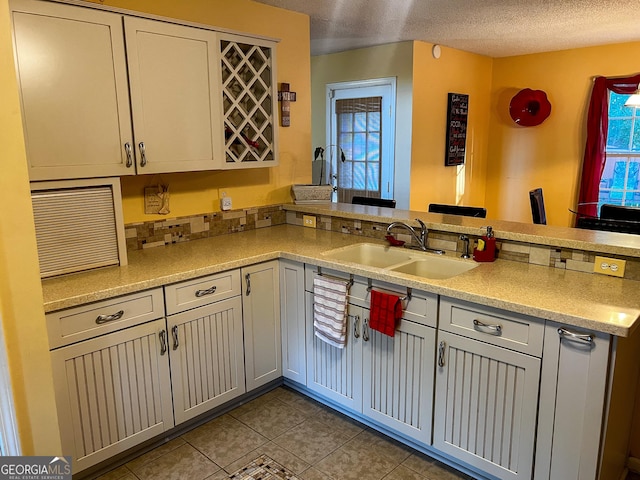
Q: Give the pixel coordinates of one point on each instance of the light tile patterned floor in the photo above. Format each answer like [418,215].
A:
[300,434]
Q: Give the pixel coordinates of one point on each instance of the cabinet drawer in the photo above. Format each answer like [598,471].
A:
[422,308]
[494,326]
[87,321]
[357,292]
[202,291]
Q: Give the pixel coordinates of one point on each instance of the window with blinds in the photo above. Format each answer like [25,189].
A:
[78,226]
[359,123]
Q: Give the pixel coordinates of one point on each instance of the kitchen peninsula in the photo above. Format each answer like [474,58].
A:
[559,381]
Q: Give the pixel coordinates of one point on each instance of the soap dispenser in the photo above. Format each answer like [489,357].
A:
[485,250]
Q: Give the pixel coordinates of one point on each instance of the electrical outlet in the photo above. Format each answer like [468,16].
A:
[225,203]
[610,266]
[309,221]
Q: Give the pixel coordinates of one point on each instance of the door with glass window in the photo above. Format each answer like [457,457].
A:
[361,128]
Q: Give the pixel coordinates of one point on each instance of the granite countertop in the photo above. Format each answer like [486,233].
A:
[605,304]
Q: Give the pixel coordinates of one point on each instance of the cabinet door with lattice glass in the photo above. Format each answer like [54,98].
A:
[249,100]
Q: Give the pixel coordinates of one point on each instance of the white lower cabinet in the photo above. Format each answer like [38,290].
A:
[398,379]
[572,404]
[207,357]
[112,392]
[292,320]
[261,314]
[387,379]
[336,373]
[486,405]
[487,385]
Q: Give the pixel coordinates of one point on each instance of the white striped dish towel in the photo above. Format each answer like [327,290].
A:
[330,310]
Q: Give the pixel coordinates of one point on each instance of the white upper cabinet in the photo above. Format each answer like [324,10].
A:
[105,94]
[73,81]
[175,99]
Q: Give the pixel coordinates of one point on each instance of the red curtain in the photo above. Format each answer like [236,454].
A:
[597,126]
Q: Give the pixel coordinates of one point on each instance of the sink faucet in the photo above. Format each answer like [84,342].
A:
[421,240]
[465,239]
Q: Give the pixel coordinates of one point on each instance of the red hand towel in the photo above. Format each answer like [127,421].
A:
[386,310]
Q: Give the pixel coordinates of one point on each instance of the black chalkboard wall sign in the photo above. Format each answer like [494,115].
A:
[457,110]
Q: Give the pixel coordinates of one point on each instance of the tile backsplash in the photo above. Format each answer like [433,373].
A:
[562,258]
[183,229]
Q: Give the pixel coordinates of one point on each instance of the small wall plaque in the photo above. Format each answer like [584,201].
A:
[156,200]
[457,111]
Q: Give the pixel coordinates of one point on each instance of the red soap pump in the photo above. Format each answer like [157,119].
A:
[485,251]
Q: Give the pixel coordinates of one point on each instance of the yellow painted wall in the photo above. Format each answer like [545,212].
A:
[21,312]
[193,193]
[458,72]
[549,155]
[423,83]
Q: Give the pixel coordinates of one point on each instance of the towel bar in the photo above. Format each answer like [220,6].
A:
[349,283]
[406,298]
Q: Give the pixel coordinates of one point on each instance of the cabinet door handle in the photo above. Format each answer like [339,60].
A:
[365,330]
[208,291]
[174,334]
[441,348]
[494,329]
[163,342]
[356,325]
[247,279]
[580,337]
[143,154]
[127,149]
[100,319]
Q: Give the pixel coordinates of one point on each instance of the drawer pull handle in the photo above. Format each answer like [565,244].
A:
[356,325]
[365,330]
[208,291]
[494,329]
[163,342]
[174,334]
[441,348]
[580,337]
[109,318]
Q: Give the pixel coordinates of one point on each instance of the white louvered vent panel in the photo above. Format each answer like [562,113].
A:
[396,376]
[114,393]
[75,229]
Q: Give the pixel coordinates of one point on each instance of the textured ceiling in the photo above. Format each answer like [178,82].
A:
[497,28]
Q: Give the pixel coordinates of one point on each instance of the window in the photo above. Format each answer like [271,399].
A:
[359,132]
[620,181]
